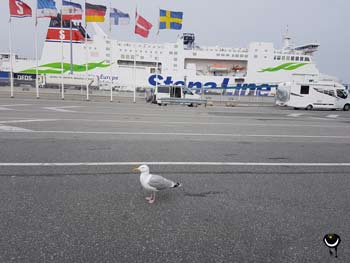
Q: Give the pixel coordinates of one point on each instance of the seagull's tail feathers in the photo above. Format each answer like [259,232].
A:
[176,185]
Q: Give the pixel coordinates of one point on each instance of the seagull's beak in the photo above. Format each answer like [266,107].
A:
[136,170]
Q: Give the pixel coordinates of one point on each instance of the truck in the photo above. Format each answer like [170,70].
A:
[165,94]
[308,95]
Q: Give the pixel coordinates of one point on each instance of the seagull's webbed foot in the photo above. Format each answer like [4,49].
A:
[152,199]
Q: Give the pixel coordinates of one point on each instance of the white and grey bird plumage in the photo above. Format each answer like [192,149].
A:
[153,182]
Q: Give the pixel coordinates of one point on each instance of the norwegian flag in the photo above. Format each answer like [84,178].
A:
[142,26]
[19,9]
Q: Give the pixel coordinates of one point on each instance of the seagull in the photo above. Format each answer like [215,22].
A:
[153,182]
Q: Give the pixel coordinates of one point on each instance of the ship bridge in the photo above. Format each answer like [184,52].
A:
[308,49]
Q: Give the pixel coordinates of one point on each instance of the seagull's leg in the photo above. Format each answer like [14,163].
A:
[153,199]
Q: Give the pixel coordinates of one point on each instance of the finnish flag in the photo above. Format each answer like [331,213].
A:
[119,18]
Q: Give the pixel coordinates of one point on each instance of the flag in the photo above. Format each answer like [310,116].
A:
[19,9]
[170,19]
[95,13]
[46,8]
[119,17]
[142,26]
[71,11]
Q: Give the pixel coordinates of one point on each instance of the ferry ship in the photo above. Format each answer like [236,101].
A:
[255,70]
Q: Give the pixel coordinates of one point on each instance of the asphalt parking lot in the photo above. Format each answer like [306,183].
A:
[260,184]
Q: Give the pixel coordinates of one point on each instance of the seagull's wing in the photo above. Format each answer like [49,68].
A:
[159,182]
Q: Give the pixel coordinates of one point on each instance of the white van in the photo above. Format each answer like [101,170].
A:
[176,94]
[313,95]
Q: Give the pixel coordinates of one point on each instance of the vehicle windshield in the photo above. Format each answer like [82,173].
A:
[342,93]
[187,91]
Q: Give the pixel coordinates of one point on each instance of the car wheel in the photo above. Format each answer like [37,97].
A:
[346,107]
[309,107]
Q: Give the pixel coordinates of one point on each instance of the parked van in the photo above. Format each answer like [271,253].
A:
[164,94]
[313,95]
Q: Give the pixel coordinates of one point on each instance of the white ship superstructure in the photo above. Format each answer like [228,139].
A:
[256,70]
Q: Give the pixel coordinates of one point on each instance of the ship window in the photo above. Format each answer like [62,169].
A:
[255,56]
[175,65]
[170,53]
[246,55]
[227,55]
[142,57]
[222,55]
[274,57]
[265,56]
[175,52]
[132,56]
[307,59]
[241,55]
[292,58]
[236,55]
[278,57]
[301,58]
[218,54]
[283,58]
[296,58]
[127,56]
[304,89]
[175,59]
[108,55]
[194,54]
[265,50]
[122,56]
[175,46]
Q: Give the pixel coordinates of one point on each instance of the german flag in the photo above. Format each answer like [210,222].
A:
[95,13]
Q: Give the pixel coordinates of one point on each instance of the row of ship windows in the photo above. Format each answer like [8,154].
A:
[292,58]
[123,56]
[141,45]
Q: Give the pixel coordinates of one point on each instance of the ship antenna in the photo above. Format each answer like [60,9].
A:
[286,39]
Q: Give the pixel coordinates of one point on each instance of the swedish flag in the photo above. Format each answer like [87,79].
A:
[170,19]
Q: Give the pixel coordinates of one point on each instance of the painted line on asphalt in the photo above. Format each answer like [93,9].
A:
[15,105]
[61,109]
[13,129]
[203,123]
[332,116]
[295,114]
[27,120]
[189,134]
[175,164]
[5,109]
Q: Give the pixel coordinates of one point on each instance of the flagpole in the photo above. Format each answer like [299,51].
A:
[87,59]
[62,57]
[157,38]
[11,63]
[110,50]
[36,54]
[134,69]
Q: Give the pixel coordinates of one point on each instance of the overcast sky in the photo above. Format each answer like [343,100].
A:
[229,23]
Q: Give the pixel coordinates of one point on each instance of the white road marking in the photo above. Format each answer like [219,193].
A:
[196,134]
[175,163]
[27,120]
[15,105]
[61,109]
[13,129]
[3,108]
[205,123]
[294,115]
[332,116]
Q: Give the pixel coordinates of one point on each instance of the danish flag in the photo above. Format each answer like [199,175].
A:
[142,26]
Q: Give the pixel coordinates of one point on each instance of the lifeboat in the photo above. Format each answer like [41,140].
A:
[219,67]
[237,68]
